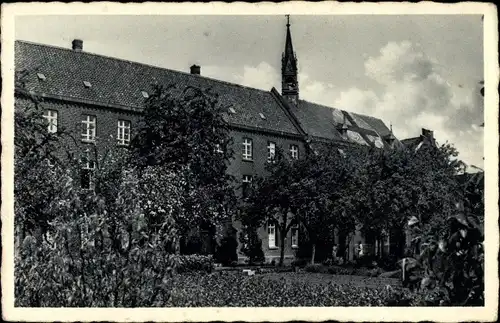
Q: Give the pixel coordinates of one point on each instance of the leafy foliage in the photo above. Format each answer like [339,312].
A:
[36,183]
[111,245]
[398,184]
[251,244]
[184,132]
[226,252]
[321,186]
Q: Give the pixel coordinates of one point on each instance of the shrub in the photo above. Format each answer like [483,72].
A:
[193,263]
[226,250]
[301,263]
[452,268]
[251,245]
[316,268]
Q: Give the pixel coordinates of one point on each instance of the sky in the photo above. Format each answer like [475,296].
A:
[411,71]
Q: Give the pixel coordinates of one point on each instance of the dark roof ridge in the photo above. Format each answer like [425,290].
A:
[143,64]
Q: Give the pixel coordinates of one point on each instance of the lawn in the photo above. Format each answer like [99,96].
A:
[317,278]
[280,289]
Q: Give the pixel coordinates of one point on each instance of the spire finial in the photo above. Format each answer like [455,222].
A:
[391,126]
[288,20]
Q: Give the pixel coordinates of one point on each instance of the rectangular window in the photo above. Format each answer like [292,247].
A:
[88,128]
[295,236]
[294,151]
[87,171]
[245,186]
[247,149]
[271,233]
[271,151]
[51,117]
[123,136]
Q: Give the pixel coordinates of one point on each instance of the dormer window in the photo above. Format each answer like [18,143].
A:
[87,84]
[262,116]
[41,76]
[231,109]
[145,94]
[342,129]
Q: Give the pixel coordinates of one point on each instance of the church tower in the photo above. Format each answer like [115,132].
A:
[289,81]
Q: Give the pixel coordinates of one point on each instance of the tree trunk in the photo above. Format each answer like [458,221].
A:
[313,253]
[282,248]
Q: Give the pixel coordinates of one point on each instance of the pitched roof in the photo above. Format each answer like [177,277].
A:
[120,83]
[412,142]
[323,122]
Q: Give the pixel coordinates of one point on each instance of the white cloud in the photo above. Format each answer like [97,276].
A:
[262,76]
[416,95]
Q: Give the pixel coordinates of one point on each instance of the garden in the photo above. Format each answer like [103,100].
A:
[124,239]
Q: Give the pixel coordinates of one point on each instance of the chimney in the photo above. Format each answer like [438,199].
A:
[428,133]
[77,45]
[195,69]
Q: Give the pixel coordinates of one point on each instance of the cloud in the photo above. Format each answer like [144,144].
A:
[415,94]
[263,76]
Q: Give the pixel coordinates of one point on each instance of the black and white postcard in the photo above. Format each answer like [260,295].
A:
[249,162]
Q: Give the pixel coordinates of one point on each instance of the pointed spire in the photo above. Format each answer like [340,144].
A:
[288,44]
[289,77]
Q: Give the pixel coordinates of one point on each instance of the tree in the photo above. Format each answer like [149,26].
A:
[269,200]
[398,184]
[37,166]
[321,181]
[183,131]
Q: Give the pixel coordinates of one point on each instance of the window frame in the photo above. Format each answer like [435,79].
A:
[88,167]
[121,137]
[246,180]
[247,155]
[272,226]
[90,133]
[296,151]
[271,146]
[52,121]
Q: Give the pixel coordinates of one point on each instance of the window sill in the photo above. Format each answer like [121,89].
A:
[123,145]
[273,248]
[88,141]
[295,247]
[247,160]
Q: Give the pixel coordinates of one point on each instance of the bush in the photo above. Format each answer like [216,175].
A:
[193,263]
[251,245]
[301,263]
[226,250]
[316,268]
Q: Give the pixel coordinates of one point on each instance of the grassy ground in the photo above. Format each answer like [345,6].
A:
[230,288]
[314,278]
